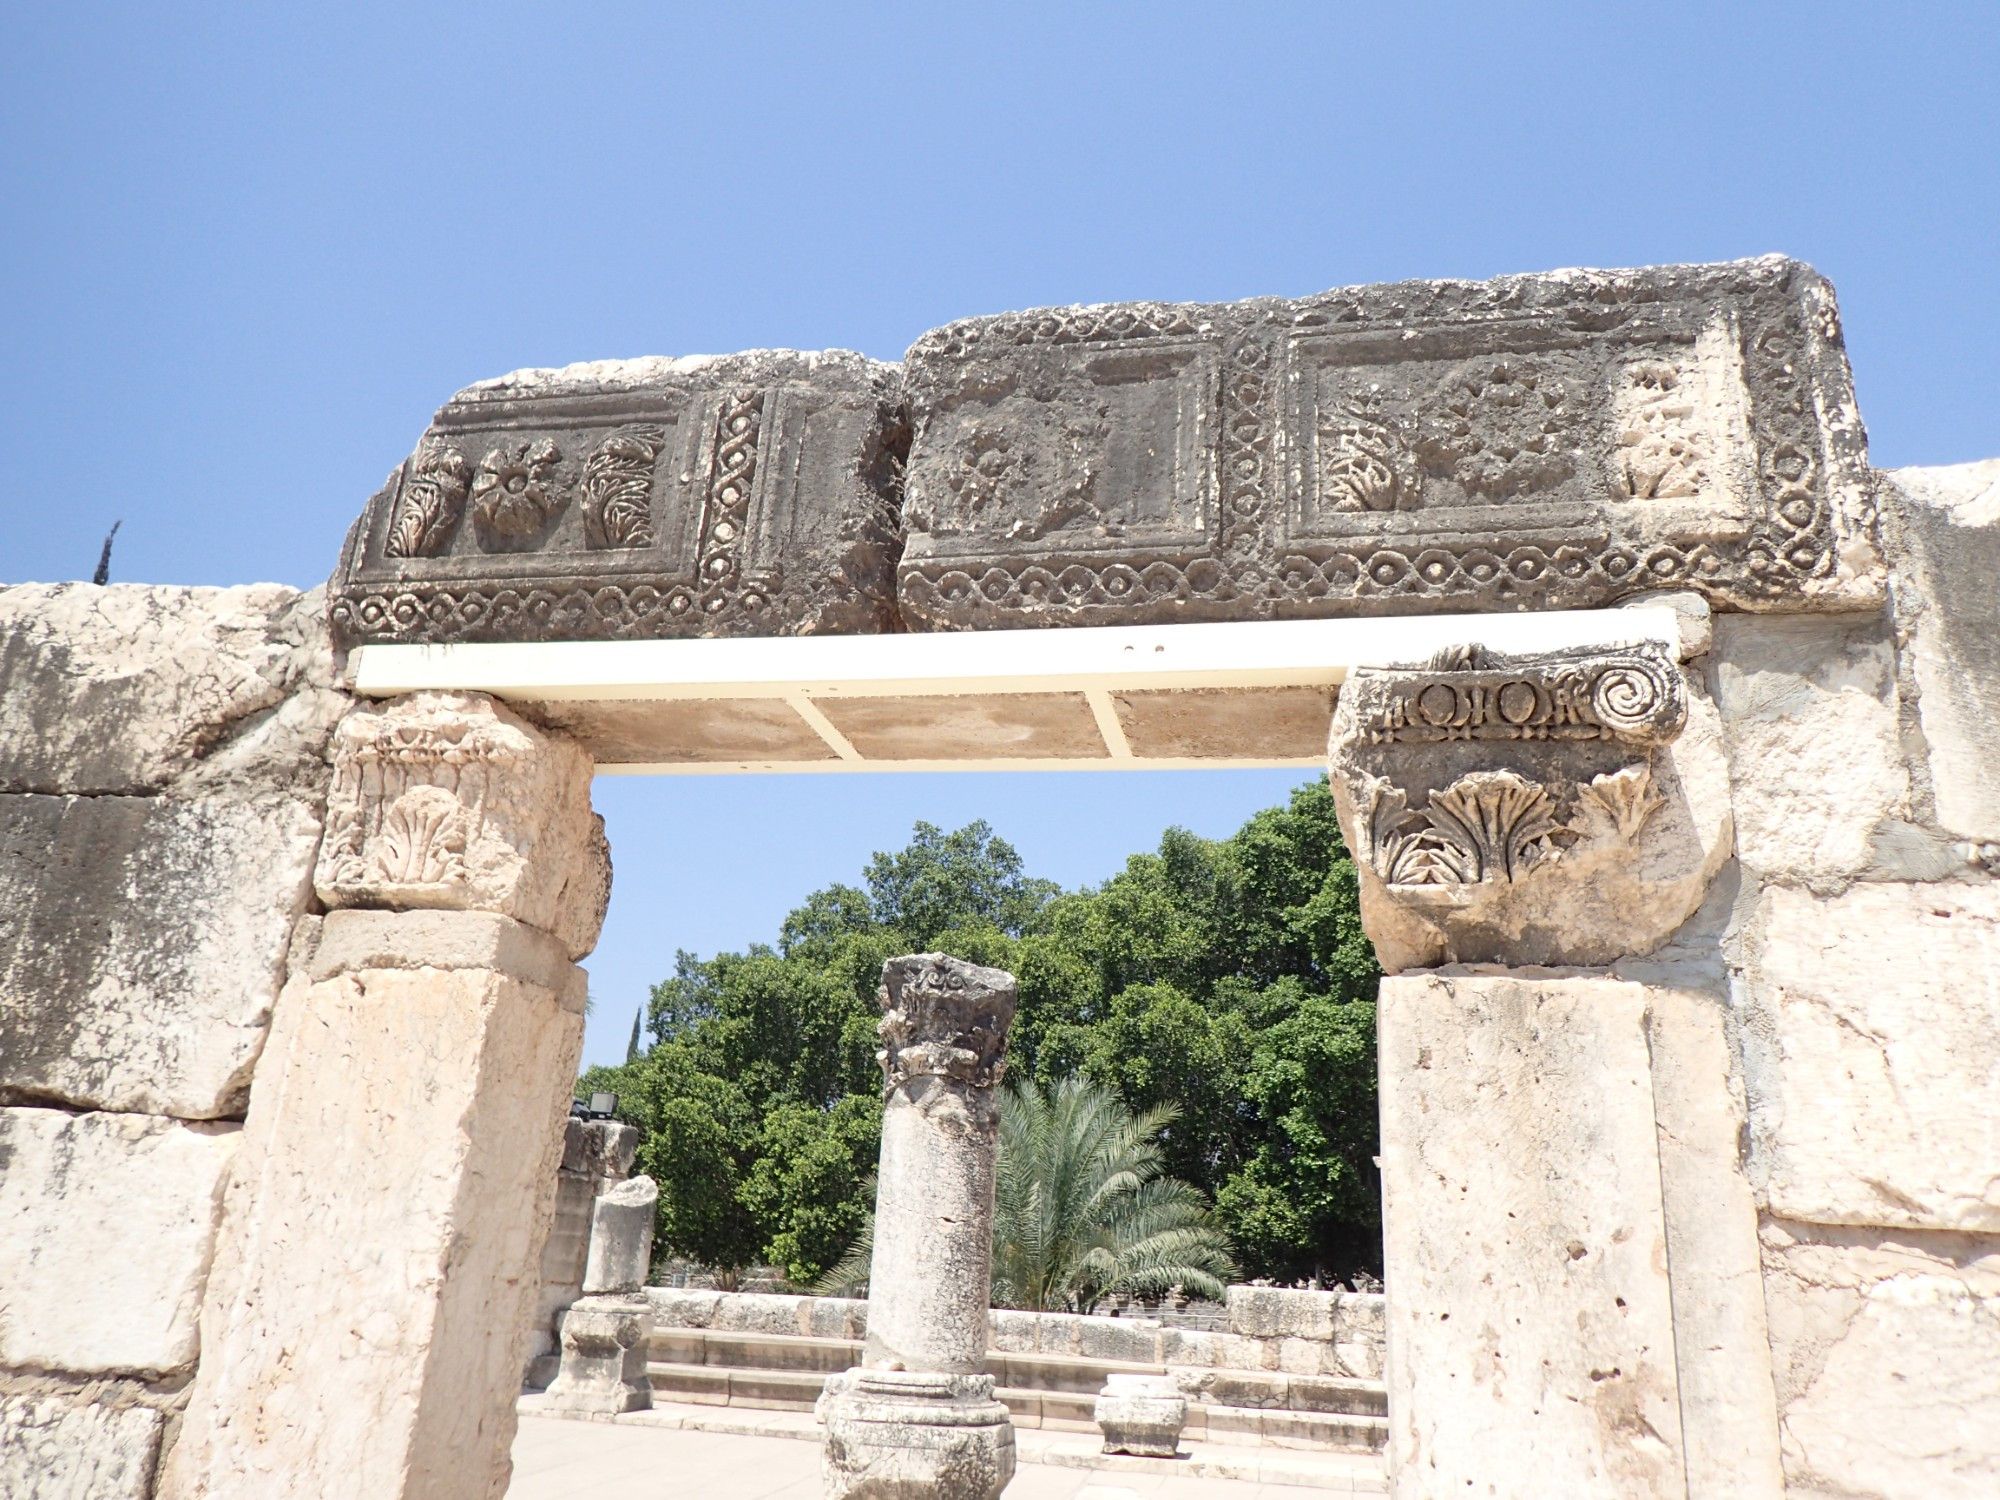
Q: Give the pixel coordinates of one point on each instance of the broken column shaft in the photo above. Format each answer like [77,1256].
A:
[918,1418]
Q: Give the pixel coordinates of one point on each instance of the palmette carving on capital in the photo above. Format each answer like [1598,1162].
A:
[450,801]
[1564,807]
[943,1018]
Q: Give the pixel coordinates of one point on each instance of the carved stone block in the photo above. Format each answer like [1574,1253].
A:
[752,494]
[621,1237]
[899,1434]
[1141,1414]
[1563,808]
[452,801]
[1556,440]
[604,1355]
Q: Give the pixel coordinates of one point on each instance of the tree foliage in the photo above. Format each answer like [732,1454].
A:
[1226,982]
[1081,1208]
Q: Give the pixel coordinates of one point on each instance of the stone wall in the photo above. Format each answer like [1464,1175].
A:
[1270,1328]
[1689,1164]
[1863,972]
[162,787]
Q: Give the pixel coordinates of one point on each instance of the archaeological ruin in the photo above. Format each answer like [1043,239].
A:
[1660,728]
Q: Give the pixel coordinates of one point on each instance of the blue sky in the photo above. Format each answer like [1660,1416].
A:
[246,250]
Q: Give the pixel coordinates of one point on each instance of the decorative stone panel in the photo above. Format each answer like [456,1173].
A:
[454,801]
[1548,441]
[1569,807]
[753,494]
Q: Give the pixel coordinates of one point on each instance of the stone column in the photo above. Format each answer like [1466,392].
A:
[918,1418]
[1569,1235]
[363,1332]
[604,1332]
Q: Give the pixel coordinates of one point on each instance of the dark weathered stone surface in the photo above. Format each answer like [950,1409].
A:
[752,494]
[1542,441]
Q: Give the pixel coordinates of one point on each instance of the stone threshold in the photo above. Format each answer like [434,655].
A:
[1342,1473]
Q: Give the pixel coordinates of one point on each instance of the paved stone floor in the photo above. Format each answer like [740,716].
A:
[556,1459]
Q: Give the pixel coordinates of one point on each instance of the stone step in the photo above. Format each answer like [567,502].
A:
[1046,1410]
[760,1351]
[1066,1374]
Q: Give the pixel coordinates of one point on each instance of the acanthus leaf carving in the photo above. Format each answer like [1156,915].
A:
[1618,804]
[1486,826]
[432,503]
[617,487]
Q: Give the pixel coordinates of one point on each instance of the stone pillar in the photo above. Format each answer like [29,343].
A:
[918,1419]
[1569,1236]
[604,1332]
[596,1154]
[363,1332]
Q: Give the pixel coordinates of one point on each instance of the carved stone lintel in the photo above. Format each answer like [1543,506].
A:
[1563,808]
[449,800]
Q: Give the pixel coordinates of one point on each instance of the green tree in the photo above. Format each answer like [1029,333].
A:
[1226,981]
[1081,1208]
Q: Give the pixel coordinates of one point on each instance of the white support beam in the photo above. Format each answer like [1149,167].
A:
[1264,653]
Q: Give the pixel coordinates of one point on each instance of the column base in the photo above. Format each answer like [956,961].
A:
[913,1435]
[604,1356]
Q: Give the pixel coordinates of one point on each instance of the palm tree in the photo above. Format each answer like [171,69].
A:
[1082,1210]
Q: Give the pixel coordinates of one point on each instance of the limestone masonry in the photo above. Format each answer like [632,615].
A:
[1689,1044]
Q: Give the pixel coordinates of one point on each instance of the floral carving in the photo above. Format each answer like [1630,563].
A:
[617,488]
[432,503]
[1618,804]
[1501,429]
[514,496]
[1364,462]
[1662,453]
[422,839]
[1489,825]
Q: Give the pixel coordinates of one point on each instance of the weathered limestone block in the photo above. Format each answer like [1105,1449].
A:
[453,801]
[621,1237]
[1141,1414]
[751,494]
[1873,1053]
[132,688]
[143,941]
[1565,808]
[363,1331]
[76,1446]
[1531,1333]
[604,1355]
[914,1435]
[1272,1312]
[1550,441]
[1729,1418]
[944,1039]
[1944,530]
[1359,1332]
[596,1153]
[1883,1343]
[1809,718]
[107,1228]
